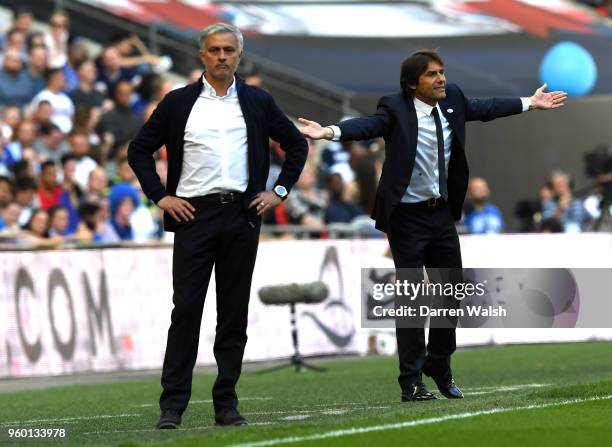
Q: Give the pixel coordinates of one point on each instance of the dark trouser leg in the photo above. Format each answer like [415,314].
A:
[409,234]
[443,252]
[236,255]
[193,258]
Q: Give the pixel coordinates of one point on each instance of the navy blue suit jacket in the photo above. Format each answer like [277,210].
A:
[395,120]
[263,119]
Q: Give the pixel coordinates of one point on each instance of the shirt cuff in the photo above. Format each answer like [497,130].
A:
[337,133]
[526,103]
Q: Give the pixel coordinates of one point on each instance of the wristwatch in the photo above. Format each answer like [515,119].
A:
[280,191]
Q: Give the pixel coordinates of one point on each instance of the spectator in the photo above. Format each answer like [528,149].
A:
[22,21]
[23,138]
[16,40]
[6,191]
[59,218]
[73,190]
[79,147]
[123,201]
[482,217]
[91,224]
[11,117]
[135,56]
[110,71]
[50,144]
[56,40]
[85,94]
[124,174]
[37,65]
[151,91]
[340,209]
[336,155]
[36,39]
[97,187]
[306,204]
[9,219]
[36,230]
[563,206]
[50,193]
[77,54]
[15,83]
[121,122]
[63,108]
[43,113]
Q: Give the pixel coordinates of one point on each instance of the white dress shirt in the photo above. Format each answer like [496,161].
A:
[215,149]
[424,181]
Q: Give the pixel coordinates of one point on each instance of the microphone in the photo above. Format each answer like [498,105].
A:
[308,293]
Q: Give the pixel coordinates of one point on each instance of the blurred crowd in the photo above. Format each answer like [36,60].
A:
[602,7]
[68,112]
[66,119]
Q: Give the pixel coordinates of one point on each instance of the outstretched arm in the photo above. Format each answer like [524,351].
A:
[376,125]
[548,100]
[315,131]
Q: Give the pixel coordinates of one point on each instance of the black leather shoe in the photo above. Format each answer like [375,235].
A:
[416,391]
[169,419]
[445,383]
[229,416]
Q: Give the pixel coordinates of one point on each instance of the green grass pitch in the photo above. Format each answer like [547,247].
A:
[544,395]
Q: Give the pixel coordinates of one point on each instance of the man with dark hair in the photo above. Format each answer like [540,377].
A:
[121,121]
[63,108]
[86,94]
[422,189]
[216,132]
[50,144]
[15,84]
[25,197]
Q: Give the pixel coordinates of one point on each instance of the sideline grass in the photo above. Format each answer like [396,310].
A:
[354,393]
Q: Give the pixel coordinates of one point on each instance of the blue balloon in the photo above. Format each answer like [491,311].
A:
[568,66]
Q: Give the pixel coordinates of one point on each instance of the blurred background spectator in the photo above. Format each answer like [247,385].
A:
[481,216]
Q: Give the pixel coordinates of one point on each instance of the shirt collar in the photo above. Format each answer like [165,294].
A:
[208,90]
[423,107]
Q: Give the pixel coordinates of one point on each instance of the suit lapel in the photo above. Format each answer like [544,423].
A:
[449,114]
[412,123]
[247,112]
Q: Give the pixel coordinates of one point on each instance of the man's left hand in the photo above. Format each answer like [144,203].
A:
[550,100]
[264,201]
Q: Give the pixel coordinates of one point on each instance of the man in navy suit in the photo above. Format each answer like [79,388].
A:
[422,189]
[216,132]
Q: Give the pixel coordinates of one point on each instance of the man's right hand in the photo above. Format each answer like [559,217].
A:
[180,209]
[314,131]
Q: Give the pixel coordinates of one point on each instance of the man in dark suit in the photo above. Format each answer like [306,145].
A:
[422,189]
[216,133]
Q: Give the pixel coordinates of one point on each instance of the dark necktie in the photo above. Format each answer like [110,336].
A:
[441,163]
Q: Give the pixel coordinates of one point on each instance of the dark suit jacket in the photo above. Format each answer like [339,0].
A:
[263,119]
[395,120]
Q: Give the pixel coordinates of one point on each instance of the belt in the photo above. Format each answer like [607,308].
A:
[218,197]
[428,204]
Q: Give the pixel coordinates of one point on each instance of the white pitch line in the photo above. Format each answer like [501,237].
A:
[413,423]
[80,418]
[320,410]
[513,387]
[135,430]
[205,401]
[503,389]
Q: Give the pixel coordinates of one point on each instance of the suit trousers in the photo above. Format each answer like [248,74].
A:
[422,236]
[220,236]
